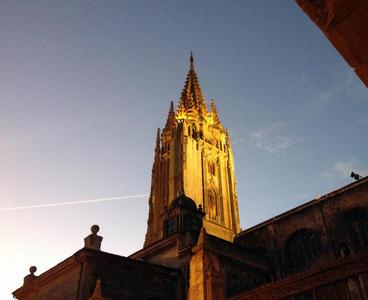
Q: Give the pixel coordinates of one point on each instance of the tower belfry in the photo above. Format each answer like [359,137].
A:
[193,156]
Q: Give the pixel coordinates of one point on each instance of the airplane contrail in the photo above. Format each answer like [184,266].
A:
[73,202]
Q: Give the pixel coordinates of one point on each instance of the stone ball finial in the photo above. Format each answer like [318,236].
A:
[95,229]
[32,270]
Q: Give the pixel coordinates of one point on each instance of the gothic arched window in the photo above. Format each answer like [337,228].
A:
[356,223]
[211,168]
[302,248]
[171,226]
[194,131]
[212,210]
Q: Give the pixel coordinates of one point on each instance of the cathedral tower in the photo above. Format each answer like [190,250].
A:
[193,156]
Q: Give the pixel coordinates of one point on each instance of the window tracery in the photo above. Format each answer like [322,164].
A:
[211,168]
[356,223]
[171,226]
[212,210]
[302,248]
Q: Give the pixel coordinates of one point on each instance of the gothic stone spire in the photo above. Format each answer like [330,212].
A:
[193,155]
[191,96]
[154,179]
[214,114]
[170,122]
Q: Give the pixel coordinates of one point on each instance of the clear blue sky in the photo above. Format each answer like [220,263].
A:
[85,84]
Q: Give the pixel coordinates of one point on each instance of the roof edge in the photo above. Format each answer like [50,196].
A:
[306,205]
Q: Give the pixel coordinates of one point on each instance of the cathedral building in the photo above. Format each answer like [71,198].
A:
[194,247]
[193,156]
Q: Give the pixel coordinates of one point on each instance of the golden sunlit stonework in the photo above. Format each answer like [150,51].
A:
[194,248]
[193,156]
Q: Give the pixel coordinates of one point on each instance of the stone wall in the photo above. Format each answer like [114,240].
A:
[313,234]
[345,279]
[120,278]
[345,24]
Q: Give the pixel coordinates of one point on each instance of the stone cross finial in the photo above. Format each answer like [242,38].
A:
[31,276]
[93,241]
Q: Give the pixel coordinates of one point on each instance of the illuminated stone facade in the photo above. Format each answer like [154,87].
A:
[193,156]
